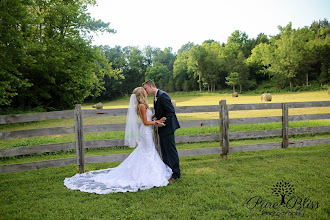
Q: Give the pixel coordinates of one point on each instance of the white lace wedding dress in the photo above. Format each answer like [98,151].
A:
[142,169]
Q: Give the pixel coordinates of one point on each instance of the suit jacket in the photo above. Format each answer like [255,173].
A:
[164,108]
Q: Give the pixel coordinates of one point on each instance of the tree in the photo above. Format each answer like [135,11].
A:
[150,53]
[186,86]
[213,66]
[241,40]
[320,58]
[285,56]
[184,69]
[193,64]
[261,38]
[12,55]
[134,71]
[158,73]
[233,79]
[235,59]
[165,57]
[114,84]
[113,58]
[242,69]
[56,57]
[283,189]
[321,28]
[230,53]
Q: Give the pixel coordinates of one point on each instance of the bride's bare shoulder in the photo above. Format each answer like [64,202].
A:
[143,106]
[143,109]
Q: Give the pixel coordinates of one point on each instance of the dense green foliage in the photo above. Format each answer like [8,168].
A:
[290,60]
[48,61]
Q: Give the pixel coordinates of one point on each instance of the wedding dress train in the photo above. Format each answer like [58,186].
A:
[142,169]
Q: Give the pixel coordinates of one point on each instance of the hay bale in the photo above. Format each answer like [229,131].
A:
[234,94]
[266,97]
[98,106]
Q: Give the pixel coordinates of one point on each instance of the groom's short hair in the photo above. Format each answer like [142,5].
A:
[149,82]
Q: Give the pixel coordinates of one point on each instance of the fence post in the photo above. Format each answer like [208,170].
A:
[224,129]
[79,132]
[285,125]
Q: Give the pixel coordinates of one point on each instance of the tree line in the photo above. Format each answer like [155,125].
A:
[294,57]
[49,62]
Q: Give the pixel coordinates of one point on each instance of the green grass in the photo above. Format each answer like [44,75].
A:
[210,188]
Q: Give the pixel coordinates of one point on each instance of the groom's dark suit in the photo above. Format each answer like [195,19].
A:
[164,108]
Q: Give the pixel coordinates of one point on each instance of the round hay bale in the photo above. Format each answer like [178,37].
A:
[234,94]
[98,106]
[266,97]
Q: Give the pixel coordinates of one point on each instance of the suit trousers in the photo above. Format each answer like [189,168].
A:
[170,154]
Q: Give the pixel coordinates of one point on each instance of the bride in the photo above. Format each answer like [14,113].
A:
[142,169]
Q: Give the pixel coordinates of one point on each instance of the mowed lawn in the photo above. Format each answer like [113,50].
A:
[204,98]
[210,187]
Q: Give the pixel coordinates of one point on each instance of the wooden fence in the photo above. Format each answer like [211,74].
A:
[223,136]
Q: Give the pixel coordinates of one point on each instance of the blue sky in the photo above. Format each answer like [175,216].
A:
[173,23]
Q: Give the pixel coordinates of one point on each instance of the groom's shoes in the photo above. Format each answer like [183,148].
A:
[172,180]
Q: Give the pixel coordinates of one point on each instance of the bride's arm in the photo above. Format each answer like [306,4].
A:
[143,109]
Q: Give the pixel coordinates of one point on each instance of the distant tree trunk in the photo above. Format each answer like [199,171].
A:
[233,88]
[240,87]
[290,83]
[306,78]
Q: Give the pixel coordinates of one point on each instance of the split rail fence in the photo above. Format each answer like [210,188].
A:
[223,136]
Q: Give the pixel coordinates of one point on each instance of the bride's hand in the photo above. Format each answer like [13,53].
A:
[159,123]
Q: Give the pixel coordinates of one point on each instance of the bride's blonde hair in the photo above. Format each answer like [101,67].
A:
[141,98]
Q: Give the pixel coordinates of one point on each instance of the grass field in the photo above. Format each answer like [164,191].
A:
[196,98]
[210,188]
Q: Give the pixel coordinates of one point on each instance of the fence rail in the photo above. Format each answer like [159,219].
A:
[223,136]
[184,124]
[4,119]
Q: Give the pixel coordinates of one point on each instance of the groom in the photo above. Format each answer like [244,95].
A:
[164,108]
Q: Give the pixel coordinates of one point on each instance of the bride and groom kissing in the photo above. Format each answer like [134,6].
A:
[143,168]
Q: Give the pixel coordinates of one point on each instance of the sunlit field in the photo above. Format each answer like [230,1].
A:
[189,100]
[214,99]
[196,98]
